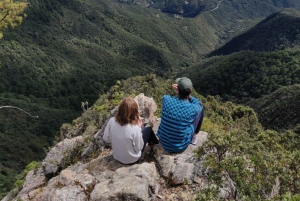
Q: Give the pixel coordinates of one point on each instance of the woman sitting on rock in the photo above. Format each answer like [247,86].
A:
[127,134]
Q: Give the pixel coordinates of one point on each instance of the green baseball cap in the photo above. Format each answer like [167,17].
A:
[184,83]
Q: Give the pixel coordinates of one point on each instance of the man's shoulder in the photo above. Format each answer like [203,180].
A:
[168,97]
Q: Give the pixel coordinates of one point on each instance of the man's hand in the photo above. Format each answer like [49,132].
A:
[175,87]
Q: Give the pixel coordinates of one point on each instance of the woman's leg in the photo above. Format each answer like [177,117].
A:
[148,136]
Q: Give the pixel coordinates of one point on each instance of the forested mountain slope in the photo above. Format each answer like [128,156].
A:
[191,8]
[280,109]
[66,52]
[246,75]
[70,51]
[277,32]
[266,81]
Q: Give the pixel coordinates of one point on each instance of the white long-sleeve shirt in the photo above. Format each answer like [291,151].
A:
[127,141]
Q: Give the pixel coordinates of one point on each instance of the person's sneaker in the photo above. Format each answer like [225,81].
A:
[194,139]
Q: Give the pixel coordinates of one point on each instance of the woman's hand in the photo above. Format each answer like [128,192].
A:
[175,87]
[140,123]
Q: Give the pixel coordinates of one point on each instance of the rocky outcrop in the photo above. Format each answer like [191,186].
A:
[135,182]
[61,155]
[68,172]
[147,108]
[183,168]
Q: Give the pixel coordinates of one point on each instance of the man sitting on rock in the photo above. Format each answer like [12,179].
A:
[181,118]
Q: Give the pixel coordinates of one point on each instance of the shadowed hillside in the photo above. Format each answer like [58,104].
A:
[280,109]
[277,32]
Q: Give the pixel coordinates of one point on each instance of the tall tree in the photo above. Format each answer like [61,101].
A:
[11,13]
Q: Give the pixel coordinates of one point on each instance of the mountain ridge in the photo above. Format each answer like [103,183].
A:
[276,32]
[192,8]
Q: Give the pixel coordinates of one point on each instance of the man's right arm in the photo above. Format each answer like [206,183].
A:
[196,103]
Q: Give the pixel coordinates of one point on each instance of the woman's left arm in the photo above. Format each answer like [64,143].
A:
[106,136]
[138,142]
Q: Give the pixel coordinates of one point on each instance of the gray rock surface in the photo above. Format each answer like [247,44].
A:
[11,195]
[180,168]
[61,155]
[147,108]
[35,179]
[68,185]
[128,183]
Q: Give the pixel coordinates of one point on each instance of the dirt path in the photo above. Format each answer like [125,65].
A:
[216,7]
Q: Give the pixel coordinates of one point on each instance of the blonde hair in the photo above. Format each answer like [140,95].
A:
[128,112]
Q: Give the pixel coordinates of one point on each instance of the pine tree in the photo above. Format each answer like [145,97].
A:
[10,13]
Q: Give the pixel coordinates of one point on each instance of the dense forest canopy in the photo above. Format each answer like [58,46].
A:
[246,75]
[66,52]
[280,109]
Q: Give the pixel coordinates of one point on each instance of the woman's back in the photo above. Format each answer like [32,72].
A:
[126,140]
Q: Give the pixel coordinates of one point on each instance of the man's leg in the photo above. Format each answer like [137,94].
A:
[197,125]
[198,121]
[148,136]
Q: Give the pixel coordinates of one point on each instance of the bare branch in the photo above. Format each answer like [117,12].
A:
[275,189]
[4,16]
[19,109]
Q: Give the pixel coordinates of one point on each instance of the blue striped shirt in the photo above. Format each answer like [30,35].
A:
[176,128]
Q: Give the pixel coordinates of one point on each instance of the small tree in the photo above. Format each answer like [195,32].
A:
[10,13]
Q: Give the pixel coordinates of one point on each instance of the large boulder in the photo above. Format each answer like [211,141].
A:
[181,168]
[147,108]
[68,186]
[62,155]
[35,179]
[128,183]
[110,180]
